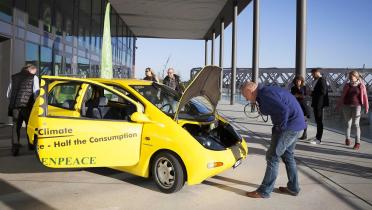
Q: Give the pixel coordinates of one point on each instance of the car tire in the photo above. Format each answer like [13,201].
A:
[167,172]
[15,149]
[31,147]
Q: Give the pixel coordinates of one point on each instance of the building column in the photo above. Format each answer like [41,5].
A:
[301,38]
[256,39]
[233,53]
[221,52]
[212,47]
[206,53]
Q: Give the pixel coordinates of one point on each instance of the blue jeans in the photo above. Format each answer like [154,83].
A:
[282,145]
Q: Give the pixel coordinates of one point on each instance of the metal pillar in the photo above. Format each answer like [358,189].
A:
[212,48]
[206,53]
[221,51]
[233,53]
[301,38]
[256,38]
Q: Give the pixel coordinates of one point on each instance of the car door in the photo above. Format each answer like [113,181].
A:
[75,142]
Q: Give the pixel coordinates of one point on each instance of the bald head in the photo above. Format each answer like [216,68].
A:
[249,91]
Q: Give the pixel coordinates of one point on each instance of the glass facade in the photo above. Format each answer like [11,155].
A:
[65,37]
[6,10]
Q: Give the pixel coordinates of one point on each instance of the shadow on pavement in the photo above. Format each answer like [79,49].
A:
[225,187]
[339,167]
[15,198]
[339,194]
[26,162]
[329,151]
[125,177]
[226,179]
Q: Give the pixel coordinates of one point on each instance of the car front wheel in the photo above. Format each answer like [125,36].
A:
[167,172]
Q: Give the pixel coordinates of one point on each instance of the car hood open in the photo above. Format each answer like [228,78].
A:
[207,84]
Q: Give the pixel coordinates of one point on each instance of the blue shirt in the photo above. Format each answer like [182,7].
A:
[282,106]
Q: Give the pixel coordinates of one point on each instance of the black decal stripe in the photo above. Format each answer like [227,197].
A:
[48,137]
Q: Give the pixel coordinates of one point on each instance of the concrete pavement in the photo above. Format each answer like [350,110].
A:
[332,176]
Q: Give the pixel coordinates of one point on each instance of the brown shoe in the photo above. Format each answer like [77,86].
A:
[285,190]
[347,142]
[356,146]
[254,194]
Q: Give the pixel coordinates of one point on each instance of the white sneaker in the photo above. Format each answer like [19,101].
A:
[315,141]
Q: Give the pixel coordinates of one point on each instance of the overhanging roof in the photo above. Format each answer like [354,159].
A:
[176,19]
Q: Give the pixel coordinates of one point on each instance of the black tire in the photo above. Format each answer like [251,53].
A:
[167,172]
[15,149]
[31,147]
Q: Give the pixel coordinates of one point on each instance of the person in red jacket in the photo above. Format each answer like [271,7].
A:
[354,96]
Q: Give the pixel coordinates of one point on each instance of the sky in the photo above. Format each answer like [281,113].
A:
[339,35]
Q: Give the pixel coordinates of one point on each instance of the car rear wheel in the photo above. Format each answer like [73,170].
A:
[167,172]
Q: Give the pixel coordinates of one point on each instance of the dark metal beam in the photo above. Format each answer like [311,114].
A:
[233,53]
[256,39]
[221,51]
[226,15]
[206,53]
[212,48]
[301,38]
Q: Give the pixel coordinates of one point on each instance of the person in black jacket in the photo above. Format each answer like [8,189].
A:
[173,81]
[22,92]
[319,100]
[299,91]
[150,75]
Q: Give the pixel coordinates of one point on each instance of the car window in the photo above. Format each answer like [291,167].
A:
[64,95]
[166,99]
[101,103]
[161,96]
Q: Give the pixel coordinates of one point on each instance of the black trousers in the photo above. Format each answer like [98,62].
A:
[318,115]
[20,115]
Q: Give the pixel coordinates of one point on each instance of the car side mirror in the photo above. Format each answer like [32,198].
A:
[140,118]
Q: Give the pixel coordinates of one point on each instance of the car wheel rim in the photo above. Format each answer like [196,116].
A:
[165,172]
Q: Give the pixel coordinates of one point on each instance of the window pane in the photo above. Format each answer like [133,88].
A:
[57,67]
[20,4]
[46,15]
[32,54]
[67,70]
[67,9]
[84,22]
[6,10]
[96,25]
[46,61]
[83,66]
[58,20]
[33,12]
[64,95]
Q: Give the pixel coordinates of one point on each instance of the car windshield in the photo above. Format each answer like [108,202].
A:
[166,99]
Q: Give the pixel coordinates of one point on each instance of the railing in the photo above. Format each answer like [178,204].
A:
[336,77]
[283,77]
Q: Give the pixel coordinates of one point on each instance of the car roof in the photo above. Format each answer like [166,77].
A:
[122,81]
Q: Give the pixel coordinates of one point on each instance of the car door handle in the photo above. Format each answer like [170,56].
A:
[147,138]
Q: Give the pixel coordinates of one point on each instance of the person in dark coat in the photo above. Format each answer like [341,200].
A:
[173,81]
[319,100]
[22,91]
[299,91]
[150,75]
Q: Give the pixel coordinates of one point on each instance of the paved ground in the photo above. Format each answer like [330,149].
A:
[332,176]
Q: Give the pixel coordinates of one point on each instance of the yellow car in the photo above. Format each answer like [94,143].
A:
[136,126]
